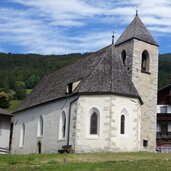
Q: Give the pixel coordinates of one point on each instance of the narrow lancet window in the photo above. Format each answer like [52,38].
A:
[22,135]
[93,123]
[62,125]
[122,124]
[40,127]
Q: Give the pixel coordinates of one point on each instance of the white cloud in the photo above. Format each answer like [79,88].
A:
[58,26]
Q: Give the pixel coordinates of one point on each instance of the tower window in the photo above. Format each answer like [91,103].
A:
[145,61]
[123,57]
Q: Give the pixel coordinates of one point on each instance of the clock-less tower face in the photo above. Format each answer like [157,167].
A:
[139,53]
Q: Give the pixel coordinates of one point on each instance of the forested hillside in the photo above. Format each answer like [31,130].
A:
[164,70]
[30,68]
[20,73]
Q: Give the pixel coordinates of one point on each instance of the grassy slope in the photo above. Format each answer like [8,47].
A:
[15,103]
[83,162]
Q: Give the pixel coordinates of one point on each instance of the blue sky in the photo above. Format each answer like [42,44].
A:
[69,26]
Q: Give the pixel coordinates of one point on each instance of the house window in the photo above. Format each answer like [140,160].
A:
[22,135]
[40,127]
[93,123]
[145,143]
[0,127]
[163,109]
[122,124]
[62,125]
[123,57]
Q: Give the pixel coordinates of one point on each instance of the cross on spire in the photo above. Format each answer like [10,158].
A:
[113,36]
[136,10]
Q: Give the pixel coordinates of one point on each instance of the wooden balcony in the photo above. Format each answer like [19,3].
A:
[163,116]
[163,135]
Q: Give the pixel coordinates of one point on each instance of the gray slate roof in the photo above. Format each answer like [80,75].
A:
[101,72]
[137,30]
[4,112]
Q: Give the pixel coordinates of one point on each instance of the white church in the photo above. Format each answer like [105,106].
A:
[103,102]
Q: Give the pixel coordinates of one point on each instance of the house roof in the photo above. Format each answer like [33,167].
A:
[101,72]
[164,95]
[137,30]
[4,112]
[164,88]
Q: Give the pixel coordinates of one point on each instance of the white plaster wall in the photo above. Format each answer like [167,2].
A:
[50,140]
[5,132]
[168,108]
[130,141]
[109,138]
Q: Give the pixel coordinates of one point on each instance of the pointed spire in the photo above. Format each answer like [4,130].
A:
[136,30]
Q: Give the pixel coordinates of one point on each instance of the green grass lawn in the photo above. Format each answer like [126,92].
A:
[142,161]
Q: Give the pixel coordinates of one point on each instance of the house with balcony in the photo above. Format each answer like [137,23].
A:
[5,131]
[163,137]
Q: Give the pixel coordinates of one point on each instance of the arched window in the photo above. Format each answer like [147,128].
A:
[22,135]
[94,123]
[122,124]
[145,61]
[62,125]
[40,127]
[123,57]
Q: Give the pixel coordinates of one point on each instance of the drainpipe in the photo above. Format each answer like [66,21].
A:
[69,122]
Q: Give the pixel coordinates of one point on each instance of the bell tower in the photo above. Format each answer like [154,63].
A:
[139,53]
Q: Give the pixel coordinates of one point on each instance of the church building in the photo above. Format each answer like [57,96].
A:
[103,102]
